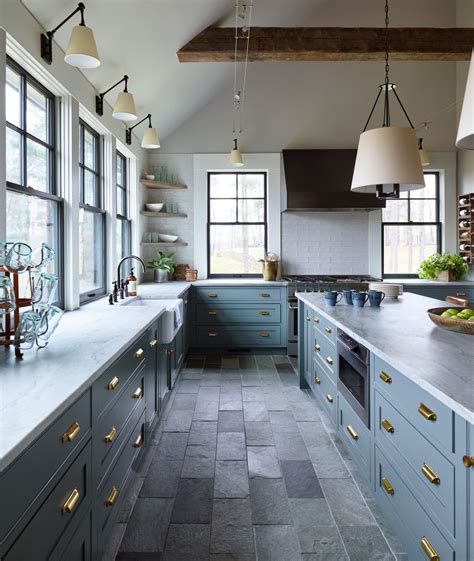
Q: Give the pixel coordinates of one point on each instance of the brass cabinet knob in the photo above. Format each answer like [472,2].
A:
[429,549]
[113,383]
[71,432]
[264,295]
[316,320]
[430,475]
[352,433]
[388,486]
[329,360]
[212,334]
[468,461]
[111,497]
[461,294]
[264,334]
[171,352]
[328,330]
[137,394]
[317,380]
[317,347]
[71,502]
[385,377]
[427,413]
[329,398]
[212,295]
[137,443]
[110,436]
[307,318]
[139,353]
[387,425]
[211,313]
[264,313]
[153,343]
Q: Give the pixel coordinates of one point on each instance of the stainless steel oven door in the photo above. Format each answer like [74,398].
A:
[292,327]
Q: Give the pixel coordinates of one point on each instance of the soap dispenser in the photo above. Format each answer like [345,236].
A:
[132,284]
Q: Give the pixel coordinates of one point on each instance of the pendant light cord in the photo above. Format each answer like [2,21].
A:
[239,95]
[386,107]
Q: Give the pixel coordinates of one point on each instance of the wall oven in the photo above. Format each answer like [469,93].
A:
[353,380]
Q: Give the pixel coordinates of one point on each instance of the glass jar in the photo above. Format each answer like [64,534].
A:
[50,318]
[25,335]
[44,291]
[7,296]
[42,256]
[4,249]
[18,259]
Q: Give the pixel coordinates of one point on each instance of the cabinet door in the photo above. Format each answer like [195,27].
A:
[179,347]
[151,390]
[163,384]
[172,362]
[471,492]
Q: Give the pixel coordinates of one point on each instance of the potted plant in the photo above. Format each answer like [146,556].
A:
[162,265]
[443,267]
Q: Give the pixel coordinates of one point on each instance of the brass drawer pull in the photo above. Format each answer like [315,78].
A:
[462,294]
[388,486]
[307,318]
[329,360]
[264,334]
[212,334]
[387,425]
[110,436]
[139,353]
[468,461]
[137,394]
[427,413]
[71,502]
[113,383]
[385,377]
[329,398]
[137,443]
[264,313]
[429,549]
[153,343]
[171,352]
[352,433]
[111,497]
[264,295]
[71,432]
[317,380]
[316,320]
[430,475]
[328,330]
[211,313]
[212,295]
[317,347]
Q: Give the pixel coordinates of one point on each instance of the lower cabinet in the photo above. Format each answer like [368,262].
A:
[440,292]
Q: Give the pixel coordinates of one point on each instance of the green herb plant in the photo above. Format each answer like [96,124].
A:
[162,262]
[437,263]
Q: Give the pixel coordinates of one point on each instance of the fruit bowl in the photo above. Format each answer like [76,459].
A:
[451,323]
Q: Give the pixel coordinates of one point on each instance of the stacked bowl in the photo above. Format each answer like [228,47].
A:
[391,290]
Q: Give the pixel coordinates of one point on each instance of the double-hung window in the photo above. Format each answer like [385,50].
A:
[92,261]
[411,229]
[124,225]
[237,223]
[34,207]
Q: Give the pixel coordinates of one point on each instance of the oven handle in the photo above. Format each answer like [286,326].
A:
[292,307]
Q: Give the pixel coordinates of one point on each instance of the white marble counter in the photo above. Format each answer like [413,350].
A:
[37,389]
[401,333]
[428,282]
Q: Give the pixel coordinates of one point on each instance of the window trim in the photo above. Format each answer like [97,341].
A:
[126,238]
[236,198]
[437,223]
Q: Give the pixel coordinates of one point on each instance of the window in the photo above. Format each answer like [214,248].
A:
[411,230]
[91,216]
[34,207]
[124,225]
[237,223]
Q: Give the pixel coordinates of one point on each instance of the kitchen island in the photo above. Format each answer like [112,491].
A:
[414,446]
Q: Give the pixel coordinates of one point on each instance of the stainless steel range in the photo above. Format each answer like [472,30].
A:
[316,283]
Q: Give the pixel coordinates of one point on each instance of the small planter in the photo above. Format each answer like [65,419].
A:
[447,276]
[160,275]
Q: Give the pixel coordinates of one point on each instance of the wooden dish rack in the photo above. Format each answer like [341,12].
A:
[466,227]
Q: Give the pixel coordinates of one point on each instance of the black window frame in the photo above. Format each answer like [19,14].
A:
[101,259]
[124,217]
[437,223]
[236,198]
[53,192]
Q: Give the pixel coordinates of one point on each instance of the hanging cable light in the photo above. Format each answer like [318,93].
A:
[387,160]
[465,137]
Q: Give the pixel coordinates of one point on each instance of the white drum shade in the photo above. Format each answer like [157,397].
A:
[236,158]
[124,108]
[387,156]
[465,137]
[82,50]
[150,138]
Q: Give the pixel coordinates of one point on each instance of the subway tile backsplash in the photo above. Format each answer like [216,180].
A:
[325,243]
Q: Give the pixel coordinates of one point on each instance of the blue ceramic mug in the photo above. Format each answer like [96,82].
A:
[359,299]
[332,297]
[347,292]
[376,297]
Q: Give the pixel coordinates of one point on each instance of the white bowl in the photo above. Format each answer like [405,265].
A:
[167,238]
[154,207]
[150,177]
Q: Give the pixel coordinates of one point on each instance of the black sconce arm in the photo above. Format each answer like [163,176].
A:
[47,38]
[128,132]
[99,99]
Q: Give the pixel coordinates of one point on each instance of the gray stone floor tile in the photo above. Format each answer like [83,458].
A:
[206,411]
[259,433]
[184,401]
[346,503]
[365,543]
[208,393]
[276,402]
[231,480]
[231,530]
[231,362]
[203,433]
[230,403]
[252,393]
[193,502]
[305,412]
[389,533]
[255,411]
[187,541]
[172,446]
[248,379]
[188,386]
[208,380]
[337,556]
[178,421]
[230,421]
[231,446]
[290,446]
[277,543]
[130,500]
[232,557]
[263,462]
[162,479]
[269,502]
[199,462]
[283,422]
[137,556]
[300,479]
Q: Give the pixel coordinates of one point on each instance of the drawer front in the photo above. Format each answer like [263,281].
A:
[325,389]
[440,293]
[237,313]
[107,388]
[213,294]
[325,327]
[355,435]
[68,501]
[111,429]
[326,352]
[429,472]
[396,500]
[18,488]
[78,543]
[238,335]
[433,419]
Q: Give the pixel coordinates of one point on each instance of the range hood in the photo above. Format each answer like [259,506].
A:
[321,180]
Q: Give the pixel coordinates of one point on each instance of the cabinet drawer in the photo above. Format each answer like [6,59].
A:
[238,335]
[238,313]
[111,429]
[355,435]
[433,419]
[18,489]
[424,463]
[440,293]
[68,501]
[78,543]
[325,389]
[238,294]
[325,351]
[398,502]
[325,327]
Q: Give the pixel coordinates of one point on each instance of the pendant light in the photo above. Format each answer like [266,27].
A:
[124,108]
[465,137]
[150,139]
[388,160]
[81,51]
[235,156]
[424,158]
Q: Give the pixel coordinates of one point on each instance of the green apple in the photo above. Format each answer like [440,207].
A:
[446,314]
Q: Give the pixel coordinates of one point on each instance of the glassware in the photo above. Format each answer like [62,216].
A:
[50,318]
[164,174]
[18,259]
[7,296]
[42,256]
[4,249]
[25,335]
[45,286]
[156,172]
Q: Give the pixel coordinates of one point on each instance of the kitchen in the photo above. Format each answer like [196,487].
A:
[236,280]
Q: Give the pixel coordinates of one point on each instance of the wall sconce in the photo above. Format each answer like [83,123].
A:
[81,51]
[124,108]
[150,139]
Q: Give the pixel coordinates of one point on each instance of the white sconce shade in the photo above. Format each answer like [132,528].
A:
[82,50]
[465,137]
[387,156]
[150,139]
[124,108]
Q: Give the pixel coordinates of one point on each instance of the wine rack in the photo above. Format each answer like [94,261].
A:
[466,227]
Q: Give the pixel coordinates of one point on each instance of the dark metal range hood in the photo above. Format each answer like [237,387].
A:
[321,180]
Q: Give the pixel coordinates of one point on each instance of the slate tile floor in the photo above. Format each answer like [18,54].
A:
[246,467]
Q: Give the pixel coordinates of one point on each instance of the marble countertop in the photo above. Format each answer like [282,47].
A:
[428,282]
[401,333]
[36,390]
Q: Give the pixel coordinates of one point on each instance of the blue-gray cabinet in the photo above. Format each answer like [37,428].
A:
[440,292]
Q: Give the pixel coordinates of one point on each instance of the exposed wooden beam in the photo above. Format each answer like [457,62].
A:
[216,44]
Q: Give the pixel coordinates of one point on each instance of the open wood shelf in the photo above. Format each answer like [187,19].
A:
[160,185]
[152,214]
[164,244]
